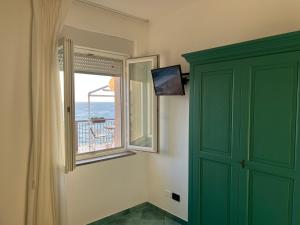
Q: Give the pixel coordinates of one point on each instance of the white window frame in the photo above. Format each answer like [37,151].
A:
[66,45]
[111,55]
[155,109]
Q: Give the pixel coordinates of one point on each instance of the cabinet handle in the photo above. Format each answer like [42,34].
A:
[243,163]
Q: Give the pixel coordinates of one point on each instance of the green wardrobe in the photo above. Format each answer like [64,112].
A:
[244,157]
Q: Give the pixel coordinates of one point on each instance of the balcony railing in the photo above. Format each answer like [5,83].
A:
[95,135]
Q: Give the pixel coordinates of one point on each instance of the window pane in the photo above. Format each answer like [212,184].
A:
[141,103]
[97,112]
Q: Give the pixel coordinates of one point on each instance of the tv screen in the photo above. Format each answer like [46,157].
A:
[168,81]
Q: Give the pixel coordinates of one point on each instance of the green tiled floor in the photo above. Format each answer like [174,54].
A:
[144,214]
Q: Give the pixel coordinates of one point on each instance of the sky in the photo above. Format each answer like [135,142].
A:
[84,83]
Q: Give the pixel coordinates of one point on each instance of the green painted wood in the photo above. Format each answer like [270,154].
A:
[246,108]
[213,199]
[215,139]
[193,197]
[273,107]
[217,87]
[270,199]
[270,107]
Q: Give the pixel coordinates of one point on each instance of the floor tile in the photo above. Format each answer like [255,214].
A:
[144,214]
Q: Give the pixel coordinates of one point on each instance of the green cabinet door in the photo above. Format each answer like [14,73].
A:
[269,183]
[214,143]
[244,153]
[244,150]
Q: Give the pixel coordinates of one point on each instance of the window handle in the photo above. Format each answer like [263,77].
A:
[242,162]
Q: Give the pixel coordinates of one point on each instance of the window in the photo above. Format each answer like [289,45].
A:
[98,102]
[107,109]
[142,127]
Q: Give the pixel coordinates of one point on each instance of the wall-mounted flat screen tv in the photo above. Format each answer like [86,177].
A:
[168,81]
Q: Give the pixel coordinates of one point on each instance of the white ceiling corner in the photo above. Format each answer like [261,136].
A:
[143,9]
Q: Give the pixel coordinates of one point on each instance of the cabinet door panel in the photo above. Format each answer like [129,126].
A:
[214,144]
[215,193]
[273,114]
[216,113]
[270,199]
[269,128]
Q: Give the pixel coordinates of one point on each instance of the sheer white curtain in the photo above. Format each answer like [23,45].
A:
[45,195]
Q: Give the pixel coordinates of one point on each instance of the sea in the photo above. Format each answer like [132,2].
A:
[98,109]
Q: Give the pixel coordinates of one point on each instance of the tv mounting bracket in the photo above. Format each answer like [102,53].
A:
[185,78]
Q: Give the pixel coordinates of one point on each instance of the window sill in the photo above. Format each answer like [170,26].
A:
[104,158]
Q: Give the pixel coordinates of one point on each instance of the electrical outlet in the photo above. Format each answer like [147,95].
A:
[176,197]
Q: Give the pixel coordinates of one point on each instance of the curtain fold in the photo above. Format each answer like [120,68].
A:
[45,197]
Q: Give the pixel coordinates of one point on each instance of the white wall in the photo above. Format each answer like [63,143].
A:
[15,18]
[102,21]
[101,189]
[201,25]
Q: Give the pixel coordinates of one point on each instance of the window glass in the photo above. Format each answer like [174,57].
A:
[141,103]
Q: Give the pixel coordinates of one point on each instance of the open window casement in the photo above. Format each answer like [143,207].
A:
[66,71]
[142,105]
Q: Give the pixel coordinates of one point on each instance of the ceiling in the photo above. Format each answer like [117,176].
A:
[144,9]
